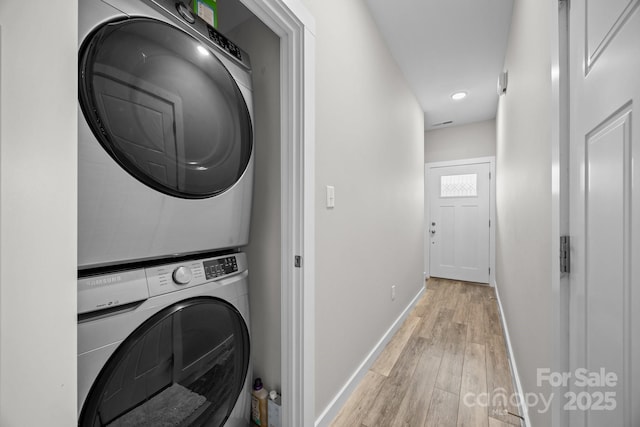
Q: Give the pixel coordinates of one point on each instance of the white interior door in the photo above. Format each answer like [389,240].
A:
[605,212]
[459,222]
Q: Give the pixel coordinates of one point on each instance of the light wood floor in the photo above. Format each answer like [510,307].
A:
[446,366]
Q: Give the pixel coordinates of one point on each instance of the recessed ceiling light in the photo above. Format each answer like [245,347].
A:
[458,95]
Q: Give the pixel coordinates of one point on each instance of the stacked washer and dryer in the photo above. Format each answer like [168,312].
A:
[165,177]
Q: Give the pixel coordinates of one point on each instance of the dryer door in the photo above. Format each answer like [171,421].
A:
[184,366]
[164,107]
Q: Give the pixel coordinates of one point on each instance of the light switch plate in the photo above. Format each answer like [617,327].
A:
[331,196]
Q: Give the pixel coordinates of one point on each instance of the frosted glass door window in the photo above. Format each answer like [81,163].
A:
[459,185]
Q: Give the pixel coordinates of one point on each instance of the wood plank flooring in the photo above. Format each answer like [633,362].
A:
[446,366]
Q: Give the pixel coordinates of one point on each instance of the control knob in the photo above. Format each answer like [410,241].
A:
[185,12]
[182,275]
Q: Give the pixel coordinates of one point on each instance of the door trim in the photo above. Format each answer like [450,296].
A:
[295,26]
[560,198]
[492,209]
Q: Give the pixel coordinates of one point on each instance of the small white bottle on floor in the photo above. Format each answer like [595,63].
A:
[274,406]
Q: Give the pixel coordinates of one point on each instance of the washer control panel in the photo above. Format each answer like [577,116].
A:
[107,291]
[214,268]
[167,278]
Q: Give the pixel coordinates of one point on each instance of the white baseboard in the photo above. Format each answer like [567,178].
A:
[341,397]
[512,361]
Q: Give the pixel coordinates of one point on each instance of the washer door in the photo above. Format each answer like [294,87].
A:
[164,107]
[184,366]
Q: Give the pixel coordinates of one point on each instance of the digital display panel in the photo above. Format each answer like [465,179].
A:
[219,267]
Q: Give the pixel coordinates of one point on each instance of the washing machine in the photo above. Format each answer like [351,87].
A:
[165,139]
[165,345]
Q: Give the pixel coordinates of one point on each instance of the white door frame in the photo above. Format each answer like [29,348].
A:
[560,160]
[295,26]
[492,209]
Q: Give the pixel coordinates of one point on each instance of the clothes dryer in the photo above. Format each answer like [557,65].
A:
[165,140]
[165,345]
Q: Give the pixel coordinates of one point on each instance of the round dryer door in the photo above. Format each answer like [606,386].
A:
[164,107]
[185,366]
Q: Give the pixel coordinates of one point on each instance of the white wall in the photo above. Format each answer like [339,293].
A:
[524,195]
[460,142]
[370,146]
[263,47]
[38,144]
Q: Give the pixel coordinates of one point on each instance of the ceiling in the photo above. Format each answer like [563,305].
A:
[446,46]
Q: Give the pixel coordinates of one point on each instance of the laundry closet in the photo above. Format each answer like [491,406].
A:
[179,212]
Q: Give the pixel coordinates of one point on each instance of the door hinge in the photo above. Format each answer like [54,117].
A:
[489,223]
[297,261]
[565,254]
[489,271]
[489,175]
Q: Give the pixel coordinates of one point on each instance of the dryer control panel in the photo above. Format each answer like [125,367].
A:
[182,12]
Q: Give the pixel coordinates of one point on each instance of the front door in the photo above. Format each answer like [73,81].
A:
[459,222]
[605,213]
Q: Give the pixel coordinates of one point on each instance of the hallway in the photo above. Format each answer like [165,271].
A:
[446,366]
